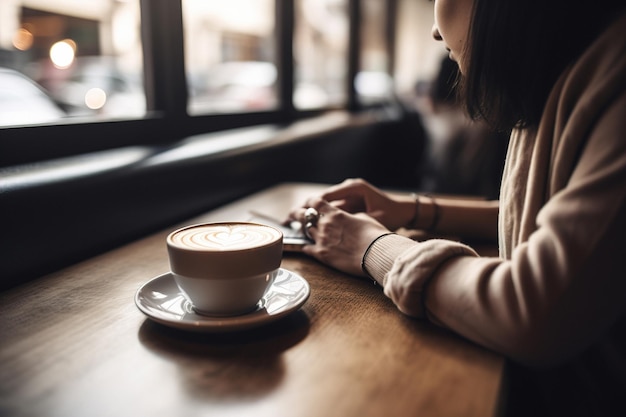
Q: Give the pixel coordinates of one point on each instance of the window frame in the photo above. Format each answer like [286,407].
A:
[167,120]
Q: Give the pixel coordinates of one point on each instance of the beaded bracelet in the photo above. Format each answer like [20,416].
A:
[367,251]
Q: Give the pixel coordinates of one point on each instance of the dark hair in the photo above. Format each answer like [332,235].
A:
[444,89]
[518,48]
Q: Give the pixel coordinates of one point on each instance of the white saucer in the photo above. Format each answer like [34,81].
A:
[161,300]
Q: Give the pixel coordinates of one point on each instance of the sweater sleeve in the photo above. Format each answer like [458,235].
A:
[404,267]
[560,291]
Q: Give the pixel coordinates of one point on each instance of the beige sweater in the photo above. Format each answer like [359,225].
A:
[559,285]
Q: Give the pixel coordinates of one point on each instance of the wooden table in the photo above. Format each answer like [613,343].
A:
[74,344]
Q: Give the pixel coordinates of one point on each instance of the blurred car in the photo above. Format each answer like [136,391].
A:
[234,86]
[95,86]
[23,101]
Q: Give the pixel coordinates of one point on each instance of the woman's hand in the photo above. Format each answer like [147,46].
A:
[340,238]
[359,196]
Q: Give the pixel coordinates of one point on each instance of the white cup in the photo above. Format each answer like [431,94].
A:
[224,269]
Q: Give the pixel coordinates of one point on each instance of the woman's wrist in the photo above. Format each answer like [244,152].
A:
[427,213]
[382,253]
[412,224]
[367,251]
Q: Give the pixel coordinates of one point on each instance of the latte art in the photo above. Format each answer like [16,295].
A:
[225,268]
[221,237]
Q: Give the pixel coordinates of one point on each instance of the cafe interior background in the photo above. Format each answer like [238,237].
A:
[122,117]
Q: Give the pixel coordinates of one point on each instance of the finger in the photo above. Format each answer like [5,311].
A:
[312,224]
[348,188]
[309,250]
[325,210]
[296,214]
[309,231]
[349,205]
[315,202]
[350,193]
[352,203]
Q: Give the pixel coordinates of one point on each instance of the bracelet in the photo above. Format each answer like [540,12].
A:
[367,251]
[436,214]
[415,217]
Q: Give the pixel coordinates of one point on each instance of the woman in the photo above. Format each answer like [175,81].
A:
[555,72]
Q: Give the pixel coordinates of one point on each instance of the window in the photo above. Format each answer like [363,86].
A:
[230,55]
[373,82]
[68,59]
[80,77]
[320,51]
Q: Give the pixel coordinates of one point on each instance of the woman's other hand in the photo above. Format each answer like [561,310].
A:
[359,196]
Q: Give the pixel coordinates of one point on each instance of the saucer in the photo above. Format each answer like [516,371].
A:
[162,301]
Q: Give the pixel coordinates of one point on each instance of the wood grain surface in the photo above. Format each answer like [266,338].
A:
[74,344]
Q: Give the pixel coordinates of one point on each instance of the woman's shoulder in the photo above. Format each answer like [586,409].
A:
[596,80]
[605,58]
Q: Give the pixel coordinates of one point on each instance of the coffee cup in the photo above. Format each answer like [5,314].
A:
[224,269]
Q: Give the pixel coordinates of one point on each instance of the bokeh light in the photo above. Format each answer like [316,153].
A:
[23,39]
[95,98]
[63,53]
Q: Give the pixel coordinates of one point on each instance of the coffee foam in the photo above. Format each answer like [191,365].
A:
[225,236]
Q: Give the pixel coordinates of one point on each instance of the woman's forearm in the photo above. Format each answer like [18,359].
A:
[467,218]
